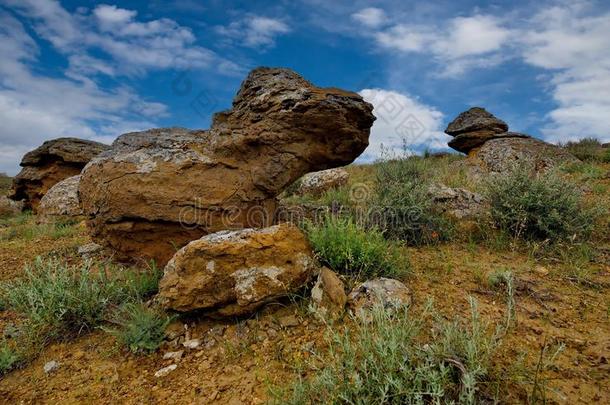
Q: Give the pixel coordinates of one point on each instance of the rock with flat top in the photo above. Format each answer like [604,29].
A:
[47,165]
[157,190]
[232,273]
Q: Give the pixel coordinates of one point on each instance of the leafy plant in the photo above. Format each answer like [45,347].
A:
[403,207]
[8,357]
[140,328]
[389,361]
[539,206]
[350,249]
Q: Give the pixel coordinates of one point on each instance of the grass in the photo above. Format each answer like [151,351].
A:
[539,207]
[352,250]
[8,357]
[23,227]
[59,301]
[141,329]
[403,207]
[390,360]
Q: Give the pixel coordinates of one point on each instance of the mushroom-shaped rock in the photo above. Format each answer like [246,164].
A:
[47,165]
[159,189]
[232,273]
[473,127]
[61,201]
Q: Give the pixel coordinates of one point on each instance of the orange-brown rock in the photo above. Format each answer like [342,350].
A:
[157,190]
[328,296]
[47,165]
[232,273]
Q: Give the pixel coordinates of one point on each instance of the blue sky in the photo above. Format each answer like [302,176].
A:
[98,69]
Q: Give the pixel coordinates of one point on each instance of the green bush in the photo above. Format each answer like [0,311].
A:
[8,357]
[606,155]
[389,361]
[140,328]
[350,249]
[586,149]
[403,208]
[539,206]
[58,300]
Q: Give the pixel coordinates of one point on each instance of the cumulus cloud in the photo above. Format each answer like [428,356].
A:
[404,124]
[371,17]
[254,31]
[573,45]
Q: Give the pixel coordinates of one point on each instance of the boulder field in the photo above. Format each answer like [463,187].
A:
[50,163]
[155,191]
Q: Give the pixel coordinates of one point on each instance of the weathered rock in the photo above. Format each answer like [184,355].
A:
[318,182]
[467,142]
[47,165]
[504,154]
[9,207]
[165,370]
[90,250]
[159,189]
[458,202]
[328,295]
[50,366]
[385,292]
[61,201]
[235,272]
[474,120]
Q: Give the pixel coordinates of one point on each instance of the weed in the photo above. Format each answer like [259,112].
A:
[385,361]
[8,357]
[539,207]
[140,328]
[352,250]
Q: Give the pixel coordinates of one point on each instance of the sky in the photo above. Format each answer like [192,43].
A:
[96,70]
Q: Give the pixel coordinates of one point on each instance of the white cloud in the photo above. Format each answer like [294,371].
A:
[371,17]
[403,123]
[133,47]
[254,31]
[574,47]
[467,36]
[405,38]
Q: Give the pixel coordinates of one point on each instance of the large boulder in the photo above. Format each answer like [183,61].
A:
[232,273]
[491,148]
[157,190]
[47,165]
[61,201]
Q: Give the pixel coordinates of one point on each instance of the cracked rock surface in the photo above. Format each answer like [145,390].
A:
[157,190]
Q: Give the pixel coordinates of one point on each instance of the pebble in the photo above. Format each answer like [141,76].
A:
[173,355]
[288,321]
[192,343]
[165,370]
[51,366]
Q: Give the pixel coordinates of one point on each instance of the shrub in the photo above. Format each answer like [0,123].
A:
[59,300]
[539,206]
[387,361]
[404,208]
[586,149]
[606,155]
[349,249]
[140,328]
[8,357]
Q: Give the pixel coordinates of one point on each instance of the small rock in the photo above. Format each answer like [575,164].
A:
[89,250]
[165,370]
[317,183]
[51,366]
[543,271]
[173,355]
[328,295]
[289,321]
[389,293]
[192,343]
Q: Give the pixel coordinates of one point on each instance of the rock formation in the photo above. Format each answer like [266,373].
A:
[9,207]
[318,182]
[159,189]
[47,165]
[235,272]
[61,201]
[492,148]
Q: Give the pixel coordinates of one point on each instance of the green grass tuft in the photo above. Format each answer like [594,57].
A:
[140,329]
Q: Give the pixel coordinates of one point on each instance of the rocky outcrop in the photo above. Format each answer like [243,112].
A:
[319,182]
[61,201]
[493,149]
[386,293]
[235,272]
[159,189]
[9,207]
[458,202]
[49,164]
[328,296]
